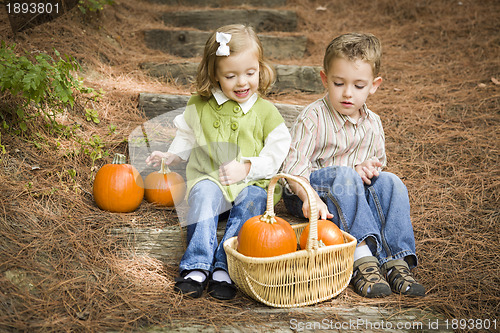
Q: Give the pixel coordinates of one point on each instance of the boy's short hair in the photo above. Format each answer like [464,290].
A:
[355,46]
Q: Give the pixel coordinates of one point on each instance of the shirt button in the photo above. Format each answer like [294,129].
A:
[216,124]
[236,109]
[234,126]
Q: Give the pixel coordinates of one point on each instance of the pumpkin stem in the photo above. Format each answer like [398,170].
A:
[164,169]
[119,159]
[268,218]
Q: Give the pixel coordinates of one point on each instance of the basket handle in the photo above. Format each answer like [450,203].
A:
[312,240]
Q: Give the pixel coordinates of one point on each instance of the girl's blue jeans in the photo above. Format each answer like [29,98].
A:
[206,204]
[378,213]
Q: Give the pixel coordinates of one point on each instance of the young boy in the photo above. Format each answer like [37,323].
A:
[338,146]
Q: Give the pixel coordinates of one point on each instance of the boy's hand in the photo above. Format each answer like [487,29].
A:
[233,172]
[156,157]
[323,212]
[368,169]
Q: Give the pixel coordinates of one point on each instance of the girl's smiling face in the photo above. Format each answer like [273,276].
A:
[238,75]
[349,83]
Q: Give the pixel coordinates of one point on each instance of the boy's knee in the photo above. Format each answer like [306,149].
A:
[392,180]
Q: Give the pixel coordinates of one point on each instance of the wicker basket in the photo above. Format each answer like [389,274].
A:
[294,279]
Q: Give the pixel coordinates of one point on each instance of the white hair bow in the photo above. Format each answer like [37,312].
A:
[222,38]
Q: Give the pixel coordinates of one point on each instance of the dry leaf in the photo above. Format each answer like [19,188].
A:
[481,85]
[495,81]
[321,8]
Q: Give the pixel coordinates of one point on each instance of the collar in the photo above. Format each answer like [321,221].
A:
[221,98]
[339,120]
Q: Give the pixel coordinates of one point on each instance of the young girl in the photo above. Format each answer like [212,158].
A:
[234,141]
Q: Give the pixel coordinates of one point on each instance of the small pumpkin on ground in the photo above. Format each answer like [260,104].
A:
[266,236]
[118,187]
[328,234]
[164,187]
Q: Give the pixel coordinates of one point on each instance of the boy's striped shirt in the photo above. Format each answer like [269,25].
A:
[322,137]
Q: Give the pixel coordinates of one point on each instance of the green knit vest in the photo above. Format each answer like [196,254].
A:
[223,133]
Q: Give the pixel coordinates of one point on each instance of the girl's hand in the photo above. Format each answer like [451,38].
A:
[156,157]
[233,172]
[368,169]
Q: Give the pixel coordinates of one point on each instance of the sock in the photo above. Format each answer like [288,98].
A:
[197,275]
[221,275]
[361,251]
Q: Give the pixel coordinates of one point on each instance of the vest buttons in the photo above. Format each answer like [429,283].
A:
[234,126]
[216,124]
[236,109]
[219,107]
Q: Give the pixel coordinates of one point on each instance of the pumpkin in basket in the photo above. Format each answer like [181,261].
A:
[164,187]
[118,186]
[328,234]
[266,236]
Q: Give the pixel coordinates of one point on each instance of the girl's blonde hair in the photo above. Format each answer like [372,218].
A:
[242,38]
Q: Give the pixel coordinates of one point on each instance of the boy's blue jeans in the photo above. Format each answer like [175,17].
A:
[378,213]
[206,204]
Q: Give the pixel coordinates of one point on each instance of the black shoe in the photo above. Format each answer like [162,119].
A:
[221,290]
[189,287]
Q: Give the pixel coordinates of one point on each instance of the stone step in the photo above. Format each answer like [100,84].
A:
[259,19]
[188,43]
[288,77]
[222,3]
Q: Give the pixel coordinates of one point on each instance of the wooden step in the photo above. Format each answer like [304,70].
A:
[168,106]
[259,19]
[222,3]
[168,246]
[336,315]
[288,77]
[158,132]
[188,43]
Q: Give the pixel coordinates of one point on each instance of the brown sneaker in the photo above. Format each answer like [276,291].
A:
[367,279]
[400,279]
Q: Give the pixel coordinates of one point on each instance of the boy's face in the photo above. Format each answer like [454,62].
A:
[238,75]
[349,83]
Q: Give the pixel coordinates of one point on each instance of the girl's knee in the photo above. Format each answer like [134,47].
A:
[254,194]
[205,191]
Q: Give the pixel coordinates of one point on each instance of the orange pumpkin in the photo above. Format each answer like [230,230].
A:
[118,187]
[266,236]
[328,234]
[164,187]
